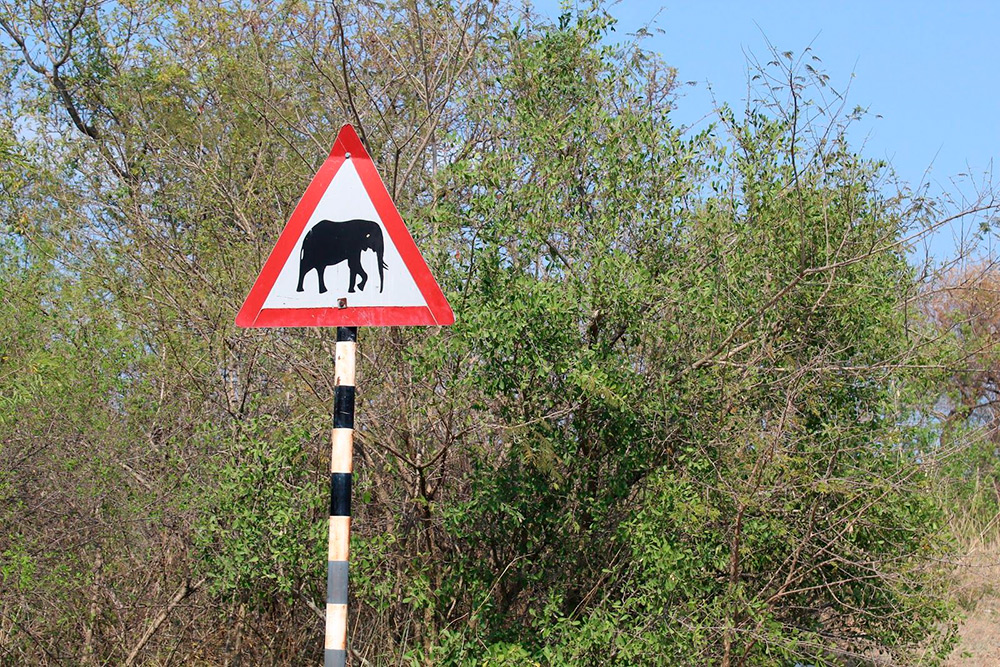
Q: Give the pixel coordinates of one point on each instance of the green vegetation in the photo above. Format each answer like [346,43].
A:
[689,412]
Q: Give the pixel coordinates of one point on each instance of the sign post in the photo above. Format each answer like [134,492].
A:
[344,233]
[341,468]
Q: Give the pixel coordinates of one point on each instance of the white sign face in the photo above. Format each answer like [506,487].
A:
[344,232]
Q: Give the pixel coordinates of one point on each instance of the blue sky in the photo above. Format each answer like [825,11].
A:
[929,69]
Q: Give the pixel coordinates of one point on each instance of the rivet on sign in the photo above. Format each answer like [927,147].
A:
[341,303]
[347,156]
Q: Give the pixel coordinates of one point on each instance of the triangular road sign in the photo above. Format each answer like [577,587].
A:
[345,258]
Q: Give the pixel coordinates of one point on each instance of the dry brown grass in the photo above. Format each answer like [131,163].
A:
[977,588]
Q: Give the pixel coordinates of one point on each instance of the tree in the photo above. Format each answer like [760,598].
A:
[962,304]
[699,350]
[681,416]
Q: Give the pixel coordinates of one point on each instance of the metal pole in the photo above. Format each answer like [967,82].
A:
[342,451]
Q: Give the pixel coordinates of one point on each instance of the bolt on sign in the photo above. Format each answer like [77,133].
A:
[344,259]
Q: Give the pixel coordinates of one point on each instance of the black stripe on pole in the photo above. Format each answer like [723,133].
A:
[347,334]
[343,406]
[340,494]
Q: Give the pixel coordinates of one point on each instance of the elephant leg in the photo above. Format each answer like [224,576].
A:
[303,270]
[356,270]
[320,270]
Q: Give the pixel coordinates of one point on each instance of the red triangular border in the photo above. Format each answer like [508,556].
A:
[437,312]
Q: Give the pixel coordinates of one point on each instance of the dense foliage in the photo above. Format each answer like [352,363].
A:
[685,415]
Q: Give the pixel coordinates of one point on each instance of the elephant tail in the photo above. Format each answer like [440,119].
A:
[384,266]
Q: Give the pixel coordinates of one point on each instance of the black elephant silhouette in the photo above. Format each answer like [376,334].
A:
[330,242]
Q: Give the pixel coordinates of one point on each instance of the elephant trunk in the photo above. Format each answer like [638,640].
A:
[379,249]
